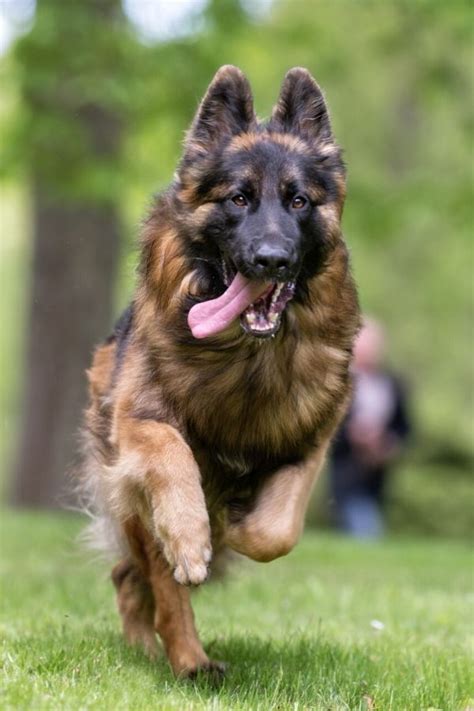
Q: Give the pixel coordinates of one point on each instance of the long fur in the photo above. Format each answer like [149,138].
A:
[197,446]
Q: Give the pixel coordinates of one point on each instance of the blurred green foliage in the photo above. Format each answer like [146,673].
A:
[398,79]
[64,69]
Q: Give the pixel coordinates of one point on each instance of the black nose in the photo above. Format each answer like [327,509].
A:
[273,259]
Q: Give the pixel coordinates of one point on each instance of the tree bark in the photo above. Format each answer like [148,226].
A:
[69,63]
[75,255]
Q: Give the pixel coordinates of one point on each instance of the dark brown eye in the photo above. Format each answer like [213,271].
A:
[239,200]
[298,202]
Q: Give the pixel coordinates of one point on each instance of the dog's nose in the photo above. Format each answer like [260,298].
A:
[273,259]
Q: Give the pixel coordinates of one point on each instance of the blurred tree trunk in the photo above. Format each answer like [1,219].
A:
[74,265]
[76,244]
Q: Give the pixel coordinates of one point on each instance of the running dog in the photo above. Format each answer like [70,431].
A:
[213,403]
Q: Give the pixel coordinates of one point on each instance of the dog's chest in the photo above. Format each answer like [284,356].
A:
[262,408]
[261,404]
[234,464]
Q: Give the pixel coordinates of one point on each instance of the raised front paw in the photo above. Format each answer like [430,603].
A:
[192,567]
[189,554]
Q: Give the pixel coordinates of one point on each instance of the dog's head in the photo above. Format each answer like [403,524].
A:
[260,203]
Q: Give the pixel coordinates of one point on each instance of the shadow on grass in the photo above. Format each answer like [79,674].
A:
[301,670]
[296,670]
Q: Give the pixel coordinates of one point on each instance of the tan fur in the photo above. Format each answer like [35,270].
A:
[177,430]
[154,474]
[247,141]
[100,373]
[136,605]
[166,478]
[150,601]
[275,524]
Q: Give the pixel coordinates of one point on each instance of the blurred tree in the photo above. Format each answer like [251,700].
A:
[83,77]
[71,132]
[402,109]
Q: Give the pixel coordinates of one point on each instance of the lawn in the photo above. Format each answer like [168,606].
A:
[336,625]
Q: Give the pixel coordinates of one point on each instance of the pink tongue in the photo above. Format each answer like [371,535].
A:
[211,317]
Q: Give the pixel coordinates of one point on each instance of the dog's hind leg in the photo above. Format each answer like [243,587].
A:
[136,605]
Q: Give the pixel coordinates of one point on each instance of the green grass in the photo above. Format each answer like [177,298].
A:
[297,633]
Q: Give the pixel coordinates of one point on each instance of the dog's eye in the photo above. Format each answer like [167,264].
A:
[239,200]
[298,202]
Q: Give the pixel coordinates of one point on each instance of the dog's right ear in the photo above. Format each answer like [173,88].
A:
[225,111]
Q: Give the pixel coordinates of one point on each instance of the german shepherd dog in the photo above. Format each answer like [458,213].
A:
[213,403]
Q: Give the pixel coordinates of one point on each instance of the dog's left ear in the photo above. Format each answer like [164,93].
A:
[225,111]
[301,108]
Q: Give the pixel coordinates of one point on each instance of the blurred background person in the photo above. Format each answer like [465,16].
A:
[371,438]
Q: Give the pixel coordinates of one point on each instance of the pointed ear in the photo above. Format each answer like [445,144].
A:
[225,111]
[301,107]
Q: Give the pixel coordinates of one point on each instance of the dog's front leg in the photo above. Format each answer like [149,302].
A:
[274,525]
[160,480]
[150,600]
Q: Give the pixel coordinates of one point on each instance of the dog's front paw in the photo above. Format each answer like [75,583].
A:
[192,569]
[189,555]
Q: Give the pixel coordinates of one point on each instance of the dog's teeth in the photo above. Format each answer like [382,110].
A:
[277,291]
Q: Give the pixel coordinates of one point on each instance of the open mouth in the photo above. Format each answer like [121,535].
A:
[262,318]
[258,303]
